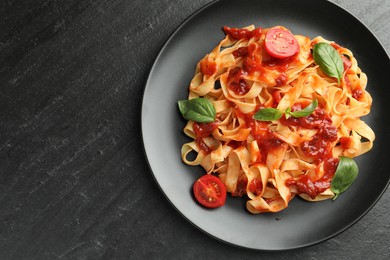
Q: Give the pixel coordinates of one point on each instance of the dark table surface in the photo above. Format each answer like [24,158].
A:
[74,181]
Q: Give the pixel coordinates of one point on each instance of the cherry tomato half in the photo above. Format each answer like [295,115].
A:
[210,191]
[280,43]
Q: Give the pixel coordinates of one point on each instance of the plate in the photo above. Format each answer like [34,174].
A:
[302,223]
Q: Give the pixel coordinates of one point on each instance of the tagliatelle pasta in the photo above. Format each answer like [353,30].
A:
[271,162]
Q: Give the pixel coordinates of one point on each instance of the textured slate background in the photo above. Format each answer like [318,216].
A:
[74,182]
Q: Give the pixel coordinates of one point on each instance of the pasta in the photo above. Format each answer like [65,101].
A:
[273,161]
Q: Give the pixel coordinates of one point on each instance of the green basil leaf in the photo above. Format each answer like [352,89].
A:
[200,110]
[345,175]
[304,112]
[287,113]
[329,60]
[268,114]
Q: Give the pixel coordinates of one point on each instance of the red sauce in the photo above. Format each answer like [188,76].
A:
[347,82]
[282,79]
[280,65]
[345,142]
[202,130]
[243,33]
[241,187]
[277,96]
[235,144]
[319,147]
[330,167]
[313,121]
[255,186]
[312,188]
[231,103]
[202,145]
[270,200]
[208,67]
[265,138]
[357,93]
[252,63]
[236,82]
[346,63]
[335,45]
[240,52]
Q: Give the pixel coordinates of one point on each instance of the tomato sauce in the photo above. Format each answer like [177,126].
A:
[236,82]
[252,63]
[241,187]
[238,34]
[276,98]
[202,130]
[282,79]
[345,142]
[280,65]
[231,104]
[265,138]
[255,186]
[347,82]
[357,93]
[235,144]
[319,148]
[202,145]
[335,45]
[240,52]
[208,67]
[346,63]
[312,188]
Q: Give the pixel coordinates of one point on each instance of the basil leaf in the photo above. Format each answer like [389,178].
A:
[304,112]
[329,60]
[287,113]
[200,110]
[268,114]
[271,114]
[345,175]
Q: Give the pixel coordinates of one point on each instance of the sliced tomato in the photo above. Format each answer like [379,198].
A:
[210,191]
[280,43]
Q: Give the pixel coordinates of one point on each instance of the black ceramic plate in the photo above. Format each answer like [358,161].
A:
[302,223]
